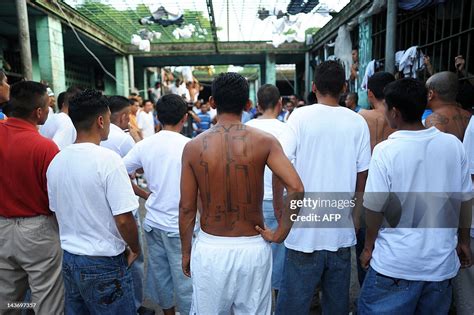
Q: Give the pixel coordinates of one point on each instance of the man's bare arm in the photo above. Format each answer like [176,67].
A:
[286,173]
[127,227]
[278,202]
[359,197]
[140,192]
[374,222]
[187,208]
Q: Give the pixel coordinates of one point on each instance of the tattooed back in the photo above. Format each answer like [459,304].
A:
[228,163]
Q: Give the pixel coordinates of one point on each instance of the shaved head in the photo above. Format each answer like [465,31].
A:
[445,84]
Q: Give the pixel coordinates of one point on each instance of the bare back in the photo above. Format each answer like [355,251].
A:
[228,163]
[450,119]
[378,126]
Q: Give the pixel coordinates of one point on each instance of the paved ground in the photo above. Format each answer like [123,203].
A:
[354,290]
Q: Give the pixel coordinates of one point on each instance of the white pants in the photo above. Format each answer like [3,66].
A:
[231,275]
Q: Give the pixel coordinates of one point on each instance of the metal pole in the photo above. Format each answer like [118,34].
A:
[307,73]
[131,72]
[24,39]
[391,35]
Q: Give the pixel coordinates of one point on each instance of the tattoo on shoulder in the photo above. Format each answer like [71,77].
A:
[437,119]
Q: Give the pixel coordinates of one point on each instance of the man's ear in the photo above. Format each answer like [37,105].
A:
[212,102]
[185,117]
[431,94]
[39,112]
[313,87]
[248,105]
[344,88]
[100,122]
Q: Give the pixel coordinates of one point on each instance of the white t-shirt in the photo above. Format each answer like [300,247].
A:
[118,141]
[87,186]
[468,143]
[146,123]
[179,90]
[59,128]
[330,145]
[160,158]
[423,169]
[279,130]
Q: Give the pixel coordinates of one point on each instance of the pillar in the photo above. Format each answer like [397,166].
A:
[121,74]
[49,35]
[391,35]
[24,39]
[252,93]
[365,56]
[270,69]
[299,77]
[131,70]
[308,73]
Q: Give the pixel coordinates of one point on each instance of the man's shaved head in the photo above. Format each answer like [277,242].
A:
[445,84]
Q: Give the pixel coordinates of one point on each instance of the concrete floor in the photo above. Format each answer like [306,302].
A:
[354,288]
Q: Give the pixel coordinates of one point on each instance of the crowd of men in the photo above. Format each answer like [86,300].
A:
[241,213]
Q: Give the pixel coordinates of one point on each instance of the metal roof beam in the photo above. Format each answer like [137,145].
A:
[212,19]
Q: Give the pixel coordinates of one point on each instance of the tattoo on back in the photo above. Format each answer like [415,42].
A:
[232,202]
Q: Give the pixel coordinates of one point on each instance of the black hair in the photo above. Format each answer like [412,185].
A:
[311,98]
[70,93]
[268,96]
[230,92]
[170,109]
[61,99]
[117,103]
[354,96]
[329,78]
[25,97]
[85,107]
[378,82]
[146,101]
[409,96]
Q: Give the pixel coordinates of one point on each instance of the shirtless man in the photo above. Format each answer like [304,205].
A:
[448,115]
[231,262]
[378,125]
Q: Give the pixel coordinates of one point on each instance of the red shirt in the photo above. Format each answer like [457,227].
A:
[24,158]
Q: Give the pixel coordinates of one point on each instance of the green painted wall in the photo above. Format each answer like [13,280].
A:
[51,52]
[121,73]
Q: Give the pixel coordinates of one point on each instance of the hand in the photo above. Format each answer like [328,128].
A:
[186,264]
[267,234]
[131,256]
[465,255]
[365,258]
[459,63]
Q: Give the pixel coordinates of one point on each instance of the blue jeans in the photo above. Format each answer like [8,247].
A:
[166,283]
[381,294]
[97,285]
[303,272]
[359,249]
[278,250]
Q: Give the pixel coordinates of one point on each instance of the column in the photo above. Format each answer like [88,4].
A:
[49,36]
[121,74]
[270,69]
